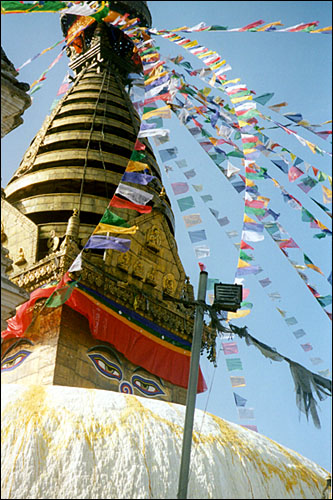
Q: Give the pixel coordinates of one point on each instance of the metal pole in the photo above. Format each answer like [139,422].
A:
[192,389]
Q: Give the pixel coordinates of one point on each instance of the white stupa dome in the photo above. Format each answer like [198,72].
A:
[67,442]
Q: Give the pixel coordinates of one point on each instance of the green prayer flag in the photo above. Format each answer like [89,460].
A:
[114,220]
[256,211]
[60,295]
[185,203]
[244,256]
[137,156]
[237,154]
[263,99]
[234,364]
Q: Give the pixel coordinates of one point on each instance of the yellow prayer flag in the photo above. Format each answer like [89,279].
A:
[264,28]
[328,28]
[239,314]
[205,54]
[248,151]
[248,219]
[242,263]
[212,80]
[311,146]
[108,228]
[217,65]
[164,112]
[206,91]
[235,80]
[190,44]
[181,29]
[327,195]
[249,182]
[240,99]
[155,76]
[213,140]
[136,166]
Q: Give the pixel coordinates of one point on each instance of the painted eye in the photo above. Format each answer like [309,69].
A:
[106,367]
[14,361]
[146,386]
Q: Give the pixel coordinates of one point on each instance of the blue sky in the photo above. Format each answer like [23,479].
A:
[297,68]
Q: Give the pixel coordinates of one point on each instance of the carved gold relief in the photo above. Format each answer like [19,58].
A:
[138,270]
[124,261]
[151,277]
[3,234]
[20,260]
[169,283]
[154,239]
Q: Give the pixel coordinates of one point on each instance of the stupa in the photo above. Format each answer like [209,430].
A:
[93,390]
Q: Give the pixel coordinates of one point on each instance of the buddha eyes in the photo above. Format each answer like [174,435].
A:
[106,367]
[111,370]
[14,361]
[146,386]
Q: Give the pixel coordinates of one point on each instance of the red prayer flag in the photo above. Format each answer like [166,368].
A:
[245,246]
[120,203]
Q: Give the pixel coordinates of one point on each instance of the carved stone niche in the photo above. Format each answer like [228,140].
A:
[151,277]
[169,284]
[138,270]
[154,239]
[124,261]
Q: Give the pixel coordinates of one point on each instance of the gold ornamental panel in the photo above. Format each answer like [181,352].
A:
[61,173]
[78,106]
[75,96]
[70,154]
[60,202]
[98,120]
[72,135]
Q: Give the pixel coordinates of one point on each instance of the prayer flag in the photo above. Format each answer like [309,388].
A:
[230,348]
[239,400]
[291,321]
[234,364]
[265,282]
[307,347]
[120,203]
[168,154]
[108,242]
[180,187]
[107,228]
[137,178]
[111,218]
[237,381]
[133,194]
[60,295]
[246,413]
[202,252]
[310,264]
[299,333]
[192,220]
[263,99]
[241,313]
[196,236]
[185,203]
[252,236]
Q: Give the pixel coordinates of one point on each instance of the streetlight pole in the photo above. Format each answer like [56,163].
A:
[192,387]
